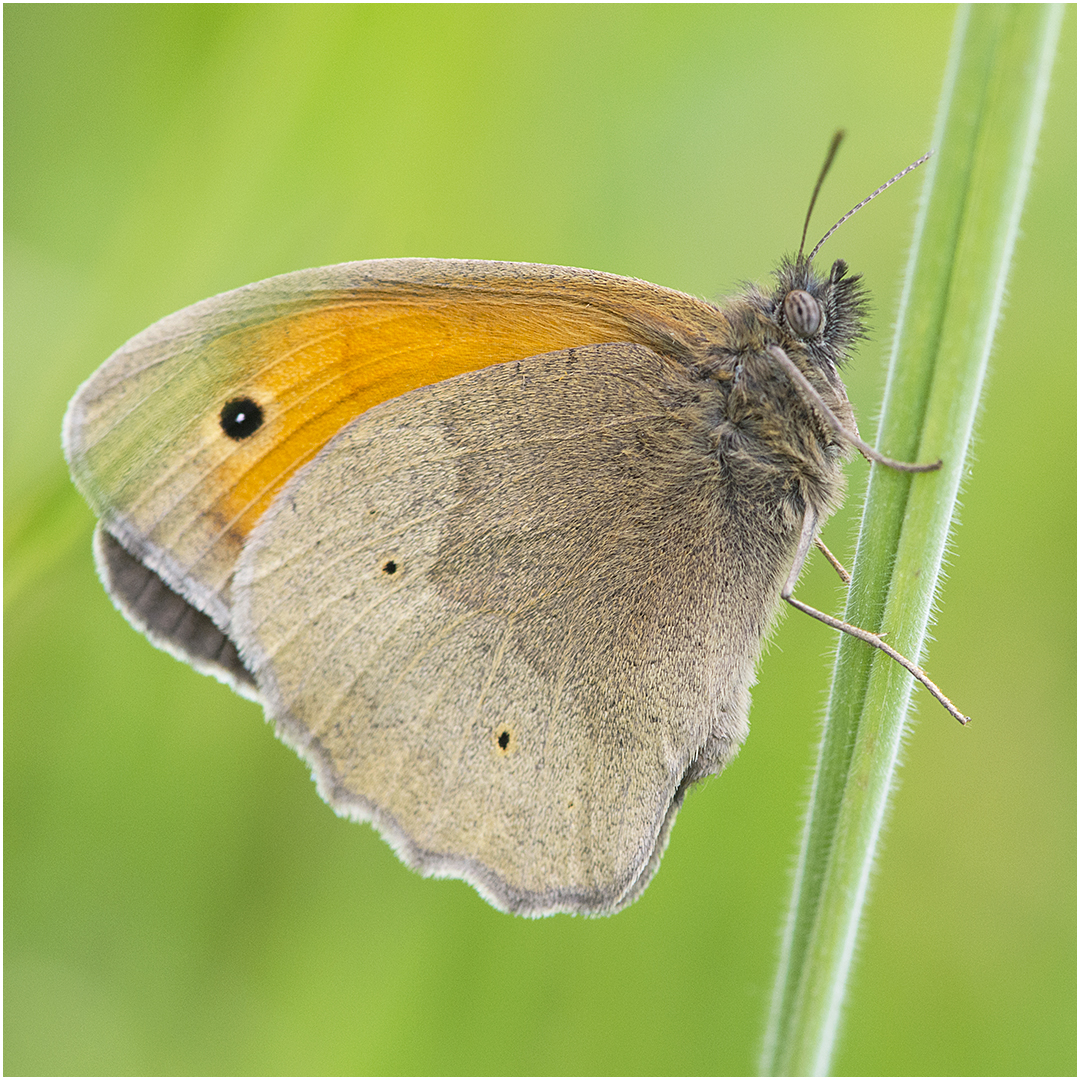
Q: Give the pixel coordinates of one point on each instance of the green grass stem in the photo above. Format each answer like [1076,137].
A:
[995,87]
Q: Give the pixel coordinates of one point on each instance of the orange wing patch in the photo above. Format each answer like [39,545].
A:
[326,367]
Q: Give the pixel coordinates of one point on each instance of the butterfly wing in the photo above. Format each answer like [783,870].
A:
[489,614]
[177,497]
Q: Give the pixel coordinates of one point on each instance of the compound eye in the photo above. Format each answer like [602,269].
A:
[803,313]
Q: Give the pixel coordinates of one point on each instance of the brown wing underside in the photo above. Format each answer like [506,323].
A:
[489,614]
[314,350]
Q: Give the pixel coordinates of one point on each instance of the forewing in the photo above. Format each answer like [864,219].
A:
[313,350]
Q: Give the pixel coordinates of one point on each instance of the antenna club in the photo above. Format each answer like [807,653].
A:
[888,184]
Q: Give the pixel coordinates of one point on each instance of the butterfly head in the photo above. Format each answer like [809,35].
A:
[825,313]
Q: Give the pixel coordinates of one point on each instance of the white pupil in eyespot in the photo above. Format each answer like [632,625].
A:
[803,313]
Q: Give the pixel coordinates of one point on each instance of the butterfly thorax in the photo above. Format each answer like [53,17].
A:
[772,442]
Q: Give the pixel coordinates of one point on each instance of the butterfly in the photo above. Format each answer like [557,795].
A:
[496,545]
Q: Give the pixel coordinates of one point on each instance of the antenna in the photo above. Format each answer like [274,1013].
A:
[888,184]
[837,139]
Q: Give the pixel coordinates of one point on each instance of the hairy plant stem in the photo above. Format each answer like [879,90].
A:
[991,109]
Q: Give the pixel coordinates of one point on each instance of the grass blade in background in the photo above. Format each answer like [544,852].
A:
[991,110]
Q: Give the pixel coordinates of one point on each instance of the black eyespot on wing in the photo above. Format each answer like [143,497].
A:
[503,740]
[241,418]
[389,567]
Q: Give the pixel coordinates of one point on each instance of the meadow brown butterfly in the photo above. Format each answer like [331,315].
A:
[495,545]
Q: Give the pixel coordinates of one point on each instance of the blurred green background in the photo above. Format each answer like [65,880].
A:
[178,899]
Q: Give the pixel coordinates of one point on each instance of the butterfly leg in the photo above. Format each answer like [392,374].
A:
[805,540]
[864,448]
[834,562]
